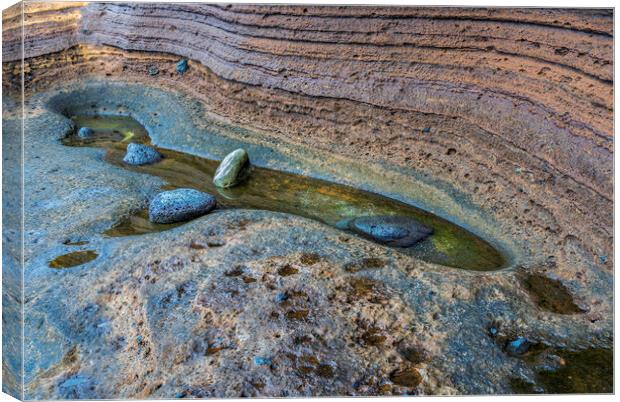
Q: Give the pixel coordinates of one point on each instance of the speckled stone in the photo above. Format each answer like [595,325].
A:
[180,205]
[140,154]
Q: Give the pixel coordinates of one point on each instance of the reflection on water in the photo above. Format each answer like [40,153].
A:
[272,190]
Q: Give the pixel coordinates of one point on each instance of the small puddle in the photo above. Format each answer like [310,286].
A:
[73,259]
[273,190]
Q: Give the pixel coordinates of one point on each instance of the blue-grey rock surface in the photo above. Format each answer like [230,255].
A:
[180,205]
[140,154]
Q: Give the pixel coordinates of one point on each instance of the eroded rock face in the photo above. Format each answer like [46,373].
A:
[444,101]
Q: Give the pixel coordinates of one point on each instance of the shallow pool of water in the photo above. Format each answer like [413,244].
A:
[73,259]
[272,190]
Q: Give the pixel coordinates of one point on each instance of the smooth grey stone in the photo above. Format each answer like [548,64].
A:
[397,231]
[180,205]
[140,154]
[232,169]
[85,132]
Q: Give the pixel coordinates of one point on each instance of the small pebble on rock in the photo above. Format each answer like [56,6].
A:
[85,132]
[518,346]
[153,70]
[182,66]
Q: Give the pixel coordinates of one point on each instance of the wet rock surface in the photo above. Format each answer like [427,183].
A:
[232,169]
[180,205]
[140,154]
[395,231]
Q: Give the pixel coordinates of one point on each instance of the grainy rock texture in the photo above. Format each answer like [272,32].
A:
[180,205]
[140,154]
[498,119]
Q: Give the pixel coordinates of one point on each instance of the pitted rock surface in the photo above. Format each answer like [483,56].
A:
[180,205]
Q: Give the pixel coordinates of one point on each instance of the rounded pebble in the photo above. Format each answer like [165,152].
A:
[180,205]
[140,154]
[232,168]
[85,132]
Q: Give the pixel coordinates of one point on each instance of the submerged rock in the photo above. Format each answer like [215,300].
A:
[180,205]
[397,231]
[85,132]
[182,66]
[232,169]
[140,154]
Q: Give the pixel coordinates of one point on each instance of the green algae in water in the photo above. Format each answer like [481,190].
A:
[273,190]
[550,294]
[73,259]
[588,371]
